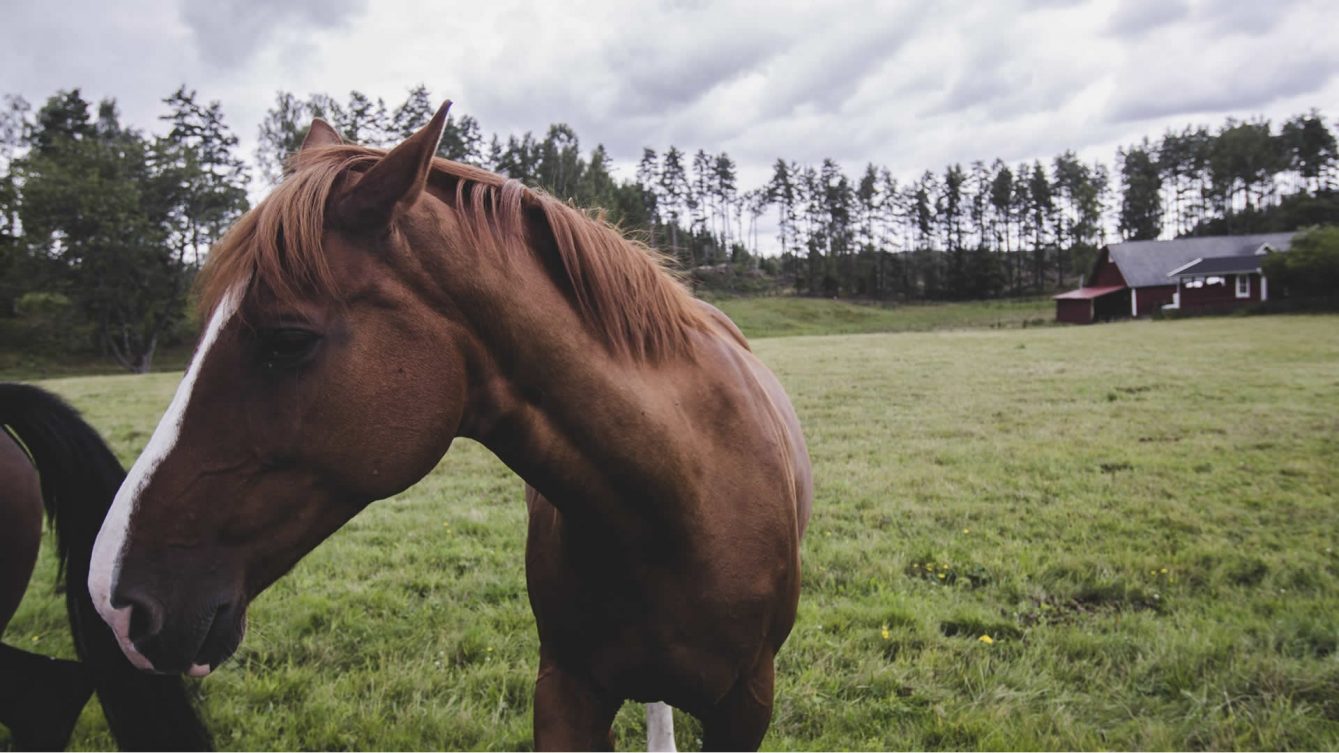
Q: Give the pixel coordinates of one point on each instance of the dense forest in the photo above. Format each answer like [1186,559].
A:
[982,230]
[104,224]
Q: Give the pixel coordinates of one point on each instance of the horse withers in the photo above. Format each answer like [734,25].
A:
[375,306]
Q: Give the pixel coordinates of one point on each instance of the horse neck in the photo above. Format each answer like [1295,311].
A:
[575,420]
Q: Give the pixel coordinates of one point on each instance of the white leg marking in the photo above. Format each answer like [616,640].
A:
[659,727]
[107,550]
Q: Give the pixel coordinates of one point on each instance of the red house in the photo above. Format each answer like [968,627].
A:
[1139,277]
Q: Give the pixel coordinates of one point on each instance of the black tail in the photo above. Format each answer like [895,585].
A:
[80,476]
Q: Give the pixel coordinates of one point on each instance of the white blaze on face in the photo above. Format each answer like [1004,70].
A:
[107,550]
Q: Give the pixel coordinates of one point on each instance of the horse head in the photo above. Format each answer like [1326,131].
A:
[319,385]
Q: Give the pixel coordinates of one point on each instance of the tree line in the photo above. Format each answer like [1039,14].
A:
[108,223]
[105,225]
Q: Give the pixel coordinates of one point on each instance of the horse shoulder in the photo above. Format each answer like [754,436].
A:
[777,404]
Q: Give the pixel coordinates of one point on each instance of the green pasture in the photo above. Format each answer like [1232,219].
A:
[1112,537]
[772,316]
[782,316]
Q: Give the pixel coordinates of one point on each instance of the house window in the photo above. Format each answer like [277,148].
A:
[1215,281]
[1195,282]
[1243,286]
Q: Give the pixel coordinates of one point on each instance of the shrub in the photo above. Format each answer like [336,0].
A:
[1311,267]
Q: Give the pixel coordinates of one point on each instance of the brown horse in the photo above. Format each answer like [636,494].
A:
[62,465]
[375,306]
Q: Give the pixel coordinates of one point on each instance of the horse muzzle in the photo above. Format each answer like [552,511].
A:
[189,639]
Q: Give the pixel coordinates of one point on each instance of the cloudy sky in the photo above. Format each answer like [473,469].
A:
[907,85]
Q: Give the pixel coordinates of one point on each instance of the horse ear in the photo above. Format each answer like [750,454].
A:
[397,180]
[321,133]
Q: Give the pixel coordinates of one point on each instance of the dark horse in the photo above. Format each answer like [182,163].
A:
[75,478]
[375,306]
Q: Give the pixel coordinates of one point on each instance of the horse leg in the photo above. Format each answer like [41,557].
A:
[41,698]
[741,718]
[570,713]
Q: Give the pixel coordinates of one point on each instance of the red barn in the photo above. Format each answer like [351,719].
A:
[1139,277]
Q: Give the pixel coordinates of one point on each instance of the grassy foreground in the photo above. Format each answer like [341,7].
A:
[1143,518]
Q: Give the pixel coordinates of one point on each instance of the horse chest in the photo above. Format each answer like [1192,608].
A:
[653,622]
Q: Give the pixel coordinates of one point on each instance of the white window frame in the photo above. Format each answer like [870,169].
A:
[1243,290]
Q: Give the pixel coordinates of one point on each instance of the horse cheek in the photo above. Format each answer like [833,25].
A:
[396,438]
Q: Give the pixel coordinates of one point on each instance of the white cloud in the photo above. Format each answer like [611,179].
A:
[1135,17]
[910,86]
[228,32]
[1201,68]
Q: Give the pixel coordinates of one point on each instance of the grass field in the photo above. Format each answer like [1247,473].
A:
[775,316]
[784,316]
[1143,518]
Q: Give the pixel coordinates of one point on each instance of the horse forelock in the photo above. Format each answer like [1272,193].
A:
[278,242]
[624,290]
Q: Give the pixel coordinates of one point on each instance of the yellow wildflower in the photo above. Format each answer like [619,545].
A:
[885,632]
[986,639]
[941,576]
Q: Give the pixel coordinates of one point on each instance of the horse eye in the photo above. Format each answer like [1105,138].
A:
[287,346]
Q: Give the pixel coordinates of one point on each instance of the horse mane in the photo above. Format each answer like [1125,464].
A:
[624,290]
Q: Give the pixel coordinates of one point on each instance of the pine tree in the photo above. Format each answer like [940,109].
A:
[1041,200]
[648,188]
[1002,204]
[560,164]
[725,193]
[208,178]
[493,160]
[838,208]
[462,141]
[281,133]
[596,187]
[1242,165]
[1310,149]
[520,159]
[700,199]
[948,206]
[781,192]
[417,109]
[365,122]
[1141,197]
[675,189]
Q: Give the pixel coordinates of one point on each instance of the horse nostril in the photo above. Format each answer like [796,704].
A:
[146,614]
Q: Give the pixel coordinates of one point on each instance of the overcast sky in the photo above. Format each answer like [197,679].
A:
[907,85]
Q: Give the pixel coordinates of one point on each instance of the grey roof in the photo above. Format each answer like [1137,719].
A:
[1145,263]
[1221,265]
